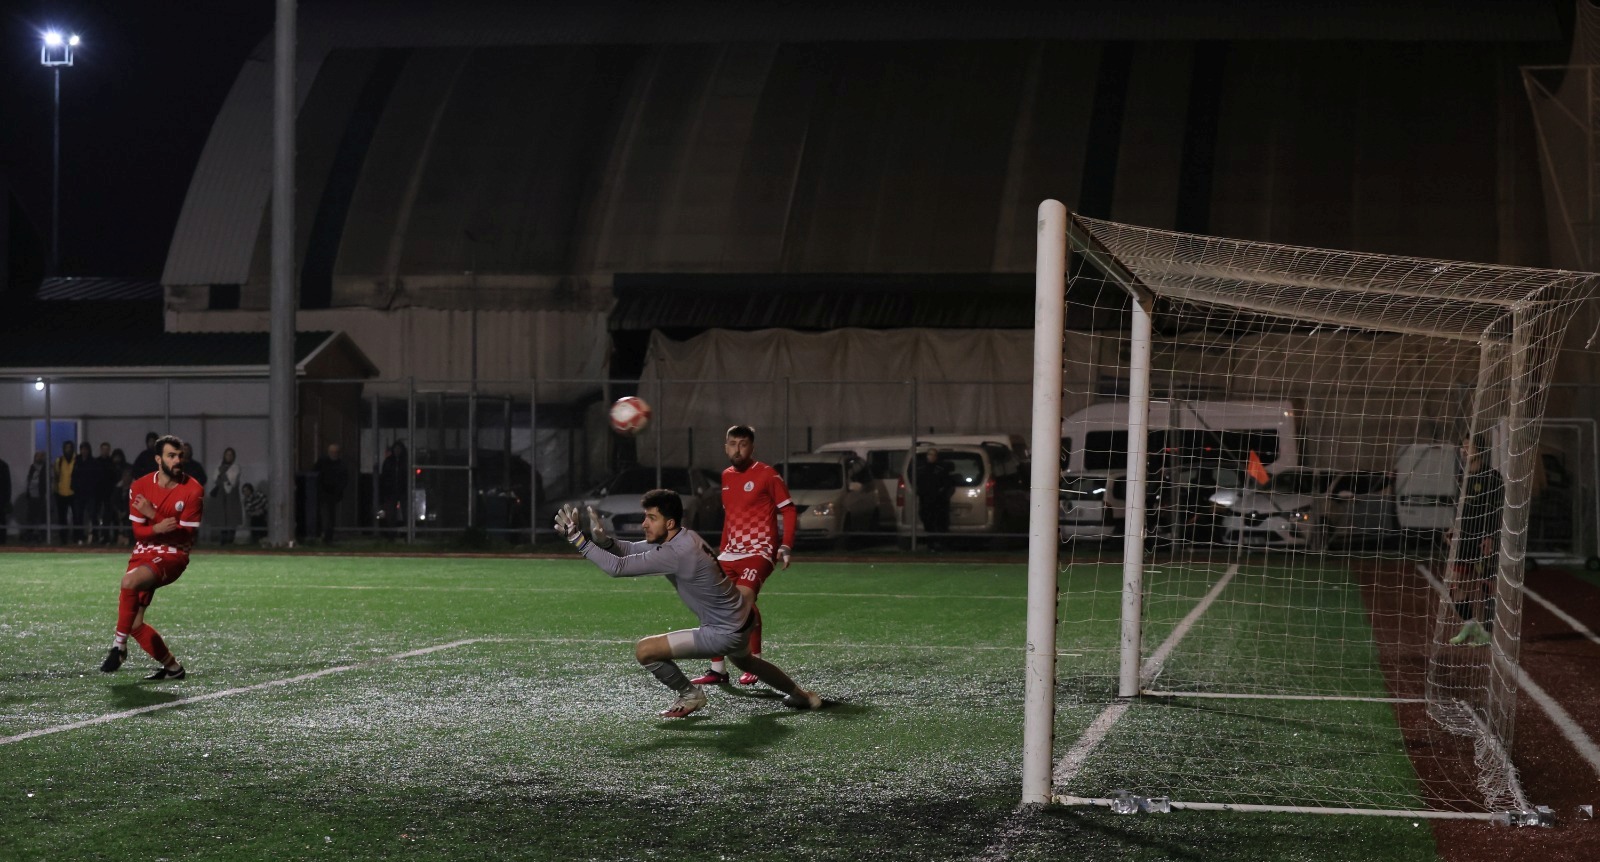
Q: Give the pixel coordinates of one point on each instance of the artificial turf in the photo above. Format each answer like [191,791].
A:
[531,733]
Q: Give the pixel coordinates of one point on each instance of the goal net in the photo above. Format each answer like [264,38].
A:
[1281,565]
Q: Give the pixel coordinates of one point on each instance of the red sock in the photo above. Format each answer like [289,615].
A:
[755,633]
[127,609]
[151,641]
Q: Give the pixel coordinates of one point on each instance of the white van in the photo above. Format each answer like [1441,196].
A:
[1426,480]
[1095,439]
[885,458]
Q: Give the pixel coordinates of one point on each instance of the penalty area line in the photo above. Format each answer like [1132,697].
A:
[260,686]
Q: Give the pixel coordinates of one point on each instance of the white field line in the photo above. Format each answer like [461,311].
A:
[275,683]
[102,719]
[464,589]
[1223,695]
[795,644]
[1072,762]
[1558,715]
[1562,615]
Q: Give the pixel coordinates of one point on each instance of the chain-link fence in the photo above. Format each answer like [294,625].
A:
[438,460]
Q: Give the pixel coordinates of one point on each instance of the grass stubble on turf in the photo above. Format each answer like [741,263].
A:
[541,742]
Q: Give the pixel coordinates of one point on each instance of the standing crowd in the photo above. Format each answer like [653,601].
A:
[83,494]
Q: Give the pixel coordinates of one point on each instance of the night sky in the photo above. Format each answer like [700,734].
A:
[135,110]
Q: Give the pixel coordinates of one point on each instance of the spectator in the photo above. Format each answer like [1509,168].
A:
[65,465]
[86,488]
[121,527]
[103,515]
[332,478]
[5,501]
[191,467]
[225,509]
[145,463]
[935,484]
[392,486]
[38,482]
[255,508]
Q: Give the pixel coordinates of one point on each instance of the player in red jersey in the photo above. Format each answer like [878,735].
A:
[164,507]
[753,495]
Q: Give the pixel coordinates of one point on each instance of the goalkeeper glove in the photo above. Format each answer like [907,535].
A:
[598,533]
[567,526]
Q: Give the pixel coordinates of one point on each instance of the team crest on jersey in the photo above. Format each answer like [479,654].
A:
[749,486]
[180,505]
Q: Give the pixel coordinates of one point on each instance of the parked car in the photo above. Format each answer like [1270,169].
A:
[832,492]
[991,494]
[1090,508]
[885,457]
[1284,514]
[616,500]
[1360,509]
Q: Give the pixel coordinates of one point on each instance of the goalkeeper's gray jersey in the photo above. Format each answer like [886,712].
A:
[690,564]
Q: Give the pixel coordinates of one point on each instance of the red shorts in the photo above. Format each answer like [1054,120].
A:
[168,568]
[749,572]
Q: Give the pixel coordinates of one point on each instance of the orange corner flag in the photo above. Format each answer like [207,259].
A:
[1256,469]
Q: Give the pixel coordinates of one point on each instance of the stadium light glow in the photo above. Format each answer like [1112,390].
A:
[73,40]
[52,38]
[38,385]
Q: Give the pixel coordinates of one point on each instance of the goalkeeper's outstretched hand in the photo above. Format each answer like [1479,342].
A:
[567,526]
[598,533]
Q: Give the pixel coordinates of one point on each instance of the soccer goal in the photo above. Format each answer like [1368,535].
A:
[1268,607]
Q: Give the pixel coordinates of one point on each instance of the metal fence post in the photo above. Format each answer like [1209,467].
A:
[411,459]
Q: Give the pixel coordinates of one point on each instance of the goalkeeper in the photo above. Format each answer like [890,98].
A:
[726,616]
[1478,547]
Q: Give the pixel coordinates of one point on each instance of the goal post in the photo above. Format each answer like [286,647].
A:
[1246,583]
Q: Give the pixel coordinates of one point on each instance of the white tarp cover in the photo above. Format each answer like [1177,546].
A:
[803,389]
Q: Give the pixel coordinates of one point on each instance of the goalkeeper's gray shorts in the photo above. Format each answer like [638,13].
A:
[709,642]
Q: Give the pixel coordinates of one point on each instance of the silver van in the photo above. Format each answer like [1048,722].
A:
[991,494]
[885,458]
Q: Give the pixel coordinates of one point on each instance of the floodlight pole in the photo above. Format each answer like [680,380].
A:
[281,386]
[53,54]
[55,177]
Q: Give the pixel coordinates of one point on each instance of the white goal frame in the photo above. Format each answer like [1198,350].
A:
[1055,238]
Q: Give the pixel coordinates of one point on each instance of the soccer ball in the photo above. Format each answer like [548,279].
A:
[630,415]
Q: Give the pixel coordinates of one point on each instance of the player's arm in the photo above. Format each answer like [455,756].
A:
[650,562]
[790,519]
[658,560]
[143,516]
[191,515]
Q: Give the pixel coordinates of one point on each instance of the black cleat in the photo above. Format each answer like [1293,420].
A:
[163,673]
[114,659]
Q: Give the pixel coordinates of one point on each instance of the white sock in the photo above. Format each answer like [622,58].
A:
[719,666]
[120,641]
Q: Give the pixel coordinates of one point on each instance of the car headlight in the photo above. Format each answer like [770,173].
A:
[822,510]
[1299,515]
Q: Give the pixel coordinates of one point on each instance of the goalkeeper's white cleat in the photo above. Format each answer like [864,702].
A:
[1470,633]
[688,701]
[802,699]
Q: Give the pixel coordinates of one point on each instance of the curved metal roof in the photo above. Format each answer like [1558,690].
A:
[544,149]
